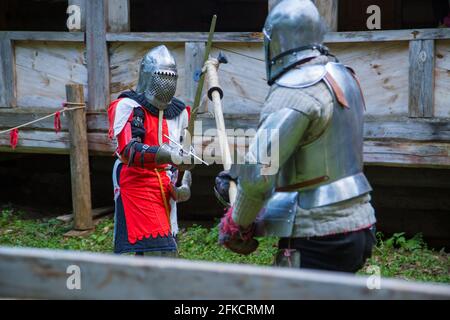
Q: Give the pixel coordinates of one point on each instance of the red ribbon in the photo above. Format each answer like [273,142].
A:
[14,138]
[57,121]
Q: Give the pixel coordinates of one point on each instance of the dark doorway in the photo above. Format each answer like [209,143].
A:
[395,14]
[33,15]
[188,16]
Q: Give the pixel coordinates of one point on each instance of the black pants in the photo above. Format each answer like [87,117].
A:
[346,252]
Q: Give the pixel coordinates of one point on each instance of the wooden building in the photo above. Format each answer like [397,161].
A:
[404,70]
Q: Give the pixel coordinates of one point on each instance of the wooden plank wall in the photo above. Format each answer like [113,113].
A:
[44,68]
[400,129]
[125,60]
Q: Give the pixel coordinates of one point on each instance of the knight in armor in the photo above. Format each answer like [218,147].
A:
[318,202]
[148,163]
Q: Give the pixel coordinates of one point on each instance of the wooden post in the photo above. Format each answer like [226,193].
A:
[421,78]
[79,160]
[194,54]
[118,15]
[7,72]
[97,55]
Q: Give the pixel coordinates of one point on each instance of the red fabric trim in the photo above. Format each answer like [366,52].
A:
[145,213]
[57,121]
[14,138]
[111,117]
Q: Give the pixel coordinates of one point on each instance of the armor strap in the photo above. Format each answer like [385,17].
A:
[353,73]
[304,184]
[324,51]
[319,47]
[340,96]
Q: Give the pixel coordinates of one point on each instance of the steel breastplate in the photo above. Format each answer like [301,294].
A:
[330,169]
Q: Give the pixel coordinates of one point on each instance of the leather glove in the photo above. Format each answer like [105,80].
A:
[236,238]
[222,187]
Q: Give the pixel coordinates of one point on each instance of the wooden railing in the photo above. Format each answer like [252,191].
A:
[44,274]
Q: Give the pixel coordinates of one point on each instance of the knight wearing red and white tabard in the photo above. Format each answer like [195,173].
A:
[148,163]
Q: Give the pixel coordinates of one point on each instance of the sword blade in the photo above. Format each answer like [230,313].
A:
[186,152]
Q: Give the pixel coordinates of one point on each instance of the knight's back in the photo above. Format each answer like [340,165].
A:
[329,155]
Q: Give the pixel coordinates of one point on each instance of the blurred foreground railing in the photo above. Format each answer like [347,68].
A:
[48,274]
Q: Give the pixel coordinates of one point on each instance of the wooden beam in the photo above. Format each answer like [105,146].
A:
[43,274]
[97,55]
[7,73]
[331,37]
[118,16]
[234,37]
[184,37]
[82,5]
[328,9]
[421,78]
[79,160]
[44,36]
[392,129]
[407,154]
[194,53]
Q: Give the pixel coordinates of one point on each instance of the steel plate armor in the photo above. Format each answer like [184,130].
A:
[158,77]
[293,32]
[329,169]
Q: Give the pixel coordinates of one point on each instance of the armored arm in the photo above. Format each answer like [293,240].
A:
[133,151]
[279,135]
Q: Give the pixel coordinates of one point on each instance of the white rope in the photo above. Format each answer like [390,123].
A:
[80,106]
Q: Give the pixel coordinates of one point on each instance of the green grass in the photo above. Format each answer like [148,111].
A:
[396,257]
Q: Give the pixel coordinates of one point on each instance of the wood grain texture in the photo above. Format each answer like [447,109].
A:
[125,60]
[407,154]
[442,79]
[42,274]
[331,37]
[79,161]
[194,54]
[118,19]
[383,72]
[44,68]
[243,79]
[426,154]
[97,55]
[44,36]
[421,78]
[39,141]
[7,73]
